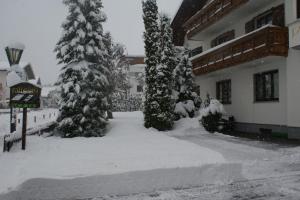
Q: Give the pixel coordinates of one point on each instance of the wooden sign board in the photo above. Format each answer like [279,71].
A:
[25,95]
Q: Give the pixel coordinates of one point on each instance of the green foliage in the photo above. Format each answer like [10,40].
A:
[84,79]
[211,122]
[151,39]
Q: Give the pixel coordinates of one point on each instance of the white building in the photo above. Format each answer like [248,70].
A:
[136,74]
[24,71]
[243,55]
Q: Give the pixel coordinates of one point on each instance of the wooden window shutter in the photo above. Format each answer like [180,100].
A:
[250,26]
[278,16]
[214,42]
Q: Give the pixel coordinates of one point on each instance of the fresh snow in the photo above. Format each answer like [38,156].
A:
[42,117]
[128,146]
[13,78]
[214,107]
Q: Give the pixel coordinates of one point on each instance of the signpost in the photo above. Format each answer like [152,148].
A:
[14,53]
[25,95]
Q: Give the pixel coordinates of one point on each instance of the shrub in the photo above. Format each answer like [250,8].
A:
[211,115]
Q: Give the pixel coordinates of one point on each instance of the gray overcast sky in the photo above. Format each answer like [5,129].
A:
[36,23]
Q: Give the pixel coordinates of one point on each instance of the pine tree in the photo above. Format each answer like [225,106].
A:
[187,100]
[121,69]
[83,78]
[108,62]
[164,77]
[151,39]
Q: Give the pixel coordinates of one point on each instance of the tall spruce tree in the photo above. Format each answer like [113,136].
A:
[83,77]
[151,39]
[164,77]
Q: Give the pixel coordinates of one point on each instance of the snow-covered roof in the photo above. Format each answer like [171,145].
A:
[26,66]
[4,65]
[12,79]
[36,81]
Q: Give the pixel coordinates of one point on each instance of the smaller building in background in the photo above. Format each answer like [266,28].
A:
[136,74]
[50,96]
[8,75]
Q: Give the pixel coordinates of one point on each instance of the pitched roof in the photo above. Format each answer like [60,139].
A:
[4,66]
[186,10]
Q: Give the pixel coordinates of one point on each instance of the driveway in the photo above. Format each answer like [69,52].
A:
[254,170]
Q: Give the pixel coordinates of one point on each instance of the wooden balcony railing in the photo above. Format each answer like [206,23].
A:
[266,41]
[210,14]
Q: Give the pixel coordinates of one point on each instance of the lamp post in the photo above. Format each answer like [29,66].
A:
[14,53]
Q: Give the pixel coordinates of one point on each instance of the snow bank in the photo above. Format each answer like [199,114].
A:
[127,147]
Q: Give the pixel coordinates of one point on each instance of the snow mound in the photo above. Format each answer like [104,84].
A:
[127,147]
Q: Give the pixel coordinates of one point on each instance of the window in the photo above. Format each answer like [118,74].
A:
[224,91]
[195,51]
[223,38]
[139,88]
[298,8]
[267,86]
[275,16]
[264,19]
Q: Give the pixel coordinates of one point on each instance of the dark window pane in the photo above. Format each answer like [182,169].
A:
[224,91]
[266,86]
[298,8]
[139,88]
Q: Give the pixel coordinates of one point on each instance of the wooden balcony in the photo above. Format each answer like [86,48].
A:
[210,14]
[266,41]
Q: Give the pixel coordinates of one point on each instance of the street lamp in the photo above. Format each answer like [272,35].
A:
[14,53]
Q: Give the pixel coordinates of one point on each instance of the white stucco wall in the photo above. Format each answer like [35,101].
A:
[293,88]
[133,70]
[290,11]
[243,107]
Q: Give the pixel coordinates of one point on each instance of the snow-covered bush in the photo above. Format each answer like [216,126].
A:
[184,109]
[211,115]
[188,102]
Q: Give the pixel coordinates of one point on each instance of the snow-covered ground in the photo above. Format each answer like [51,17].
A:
[127,147]
[155,166]
[42,117]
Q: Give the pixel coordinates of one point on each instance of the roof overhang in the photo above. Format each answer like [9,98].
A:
[186,10]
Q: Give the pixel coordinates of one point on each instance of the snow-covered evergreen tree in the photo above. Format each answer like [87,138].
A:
[188,102]
[151,39]
[108,62]
[121,70]
[117,65]
[164,79]
[83,78]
